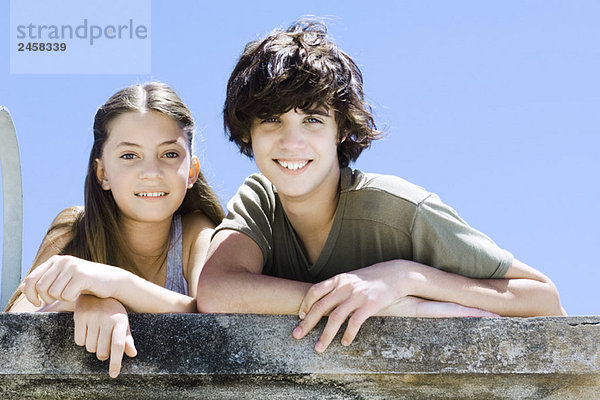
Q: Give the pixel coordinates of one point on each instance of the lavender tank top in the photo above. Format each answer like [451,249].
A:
[175,279]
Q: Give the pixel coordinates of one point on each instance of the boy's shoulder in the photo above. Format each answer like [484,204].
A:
[257,188]
[382,186]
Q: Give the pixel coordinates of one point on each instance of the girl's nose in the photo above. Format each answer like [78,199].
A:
[150,169]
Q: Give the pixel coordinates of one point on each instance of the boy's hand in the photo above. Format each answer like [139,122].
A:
[66,277]
[102,326]
[361,294]
[355,293]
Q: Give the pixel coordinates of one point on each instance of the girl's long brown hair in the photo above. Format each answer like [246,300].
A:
[98,236]
[95,231]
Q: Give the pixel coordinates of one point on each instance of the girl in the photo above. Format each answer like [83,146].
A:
[141,239]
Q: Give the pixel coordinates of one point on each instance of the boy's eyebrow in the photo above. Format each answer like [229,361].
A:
[317,111]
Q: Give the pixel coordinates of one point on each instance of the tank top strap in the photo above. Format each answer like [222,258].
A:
[175,279]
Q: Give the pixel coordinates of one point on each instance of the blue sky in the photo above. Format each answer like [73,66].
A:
[492,105]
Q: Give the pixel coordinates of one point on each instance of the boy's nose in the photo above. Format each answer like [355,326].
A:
[291,138]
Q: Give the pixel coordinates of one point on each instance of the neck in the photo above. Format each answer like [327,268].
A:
[148,244]
[312,216]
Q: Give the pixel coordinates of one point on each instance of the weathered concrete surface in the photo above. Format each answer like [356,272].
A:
[254,356]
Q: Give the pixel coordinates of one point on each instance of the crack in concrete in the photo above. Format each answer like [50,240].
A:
[584,323]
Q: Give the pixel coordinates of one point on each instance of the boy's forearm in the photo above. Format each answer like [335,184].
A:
[519,297]
[246,292]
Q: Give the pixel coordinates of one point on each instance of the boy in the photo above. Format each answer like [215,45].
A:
[313,237]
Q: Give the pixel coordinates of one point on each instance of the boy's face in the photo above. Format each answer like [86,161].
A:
[297,151]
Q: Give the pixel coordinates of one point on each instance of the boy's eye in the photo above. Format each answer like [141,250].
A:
[128,156]
[269,120]
[313,120]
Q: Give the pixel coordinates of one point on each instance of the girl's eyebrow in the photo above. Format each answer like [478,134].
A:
[130,144]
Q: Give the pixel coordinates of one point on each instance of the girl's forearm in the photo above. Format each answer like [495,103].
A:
[23,305]
[142,296]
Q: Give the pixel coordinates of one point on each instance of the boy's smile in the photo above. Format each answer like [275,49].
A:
[297,151]
[293,166]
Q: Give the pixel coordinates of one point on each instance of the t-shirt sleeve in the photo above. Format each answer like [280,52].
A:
[440,238]
[251,212]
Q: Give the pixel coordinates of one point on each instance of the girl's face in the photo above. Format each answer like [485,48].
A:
[147,166]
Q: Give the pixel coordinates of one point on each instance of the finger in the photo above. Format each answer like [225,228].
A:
[104,342]
[31,295]
[117,347]
[334,322]
[59,285]
[314,294]
[45,274]
[130,349]
[72,290]
[318,311]
[354,323]
[80,330]
[91,338]
[29,284]
[42,286]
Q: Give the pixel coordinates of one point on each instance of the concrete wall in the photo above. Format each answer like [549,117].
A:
[254,356]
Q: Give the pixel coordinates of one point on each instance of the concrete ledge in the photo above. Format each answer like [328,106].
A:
[254,356]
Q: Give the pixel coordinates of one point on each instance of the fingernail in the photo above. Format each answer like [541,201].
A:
[345,342]
[319,347]
[297,332]
[113,374]
[302,314]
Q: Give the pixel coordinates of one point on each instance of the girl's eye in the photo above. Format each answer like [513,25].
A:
[270,120]
[128,156]
[171,154]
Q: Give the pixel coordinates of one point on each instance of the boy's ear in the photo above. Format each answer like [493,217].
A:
[194,171]
[344,136]
[101,175]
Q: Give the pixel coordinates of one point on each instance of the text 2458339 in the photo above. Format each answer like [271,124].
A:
[42,46]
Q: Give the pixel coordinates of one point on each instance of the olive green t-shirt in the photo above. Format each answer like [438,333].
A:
[378,218]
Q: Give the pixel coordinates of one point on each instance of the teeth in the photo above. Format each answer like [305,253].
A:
[151,194]
[292,165]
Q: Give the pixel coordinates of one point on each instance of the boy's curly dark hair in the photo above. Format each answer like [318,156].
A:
[298,68]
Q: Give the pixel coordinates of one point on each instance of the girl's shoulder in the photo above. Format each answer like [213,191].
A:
[197,230]
[69,215]
[62,228]
[194,223]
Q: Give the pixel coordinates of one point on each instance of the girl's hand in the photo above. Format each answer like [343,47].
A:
[66,277]
[103,327]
